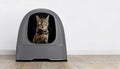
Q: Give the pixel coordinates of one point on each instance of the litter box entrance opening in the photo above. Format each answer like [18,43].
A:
[41,28]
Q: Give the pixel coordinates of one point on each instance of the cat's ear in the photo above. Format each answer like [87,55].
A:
[47,18]
[37,18]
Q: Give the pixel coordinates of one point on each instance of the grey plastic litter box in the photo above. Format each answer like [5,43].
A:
[53,50]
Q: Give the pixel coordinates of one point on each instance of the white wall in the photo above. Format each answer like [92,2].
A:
[90,25]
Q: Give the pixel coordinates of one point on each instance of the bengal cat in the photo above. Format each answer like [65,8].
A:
[41,33]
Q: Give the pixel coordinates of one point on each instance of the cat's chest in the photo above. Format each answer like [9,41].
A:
[42,35]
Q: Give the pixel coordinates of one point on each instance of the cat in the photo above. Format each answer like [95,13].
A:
[42,32]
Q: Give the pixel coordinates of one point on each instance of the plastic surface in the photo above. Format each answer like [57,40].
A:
[27,50]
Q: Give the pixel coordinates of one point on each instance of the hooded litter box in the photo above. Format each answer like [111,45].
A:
[41,37]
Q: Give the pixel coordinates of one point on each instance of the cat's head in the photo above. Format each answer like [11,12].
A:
[42,23]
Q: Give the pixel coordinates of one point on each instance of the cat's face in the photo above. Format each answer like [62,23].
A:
[42,23]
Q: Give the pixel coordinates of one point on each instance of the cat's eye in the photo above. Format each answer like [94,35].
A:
[44,23]
[39,23]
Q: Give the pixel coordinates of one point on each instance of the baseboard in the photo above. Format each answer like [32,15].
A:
[7,52]
[94,52]
[71,52]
